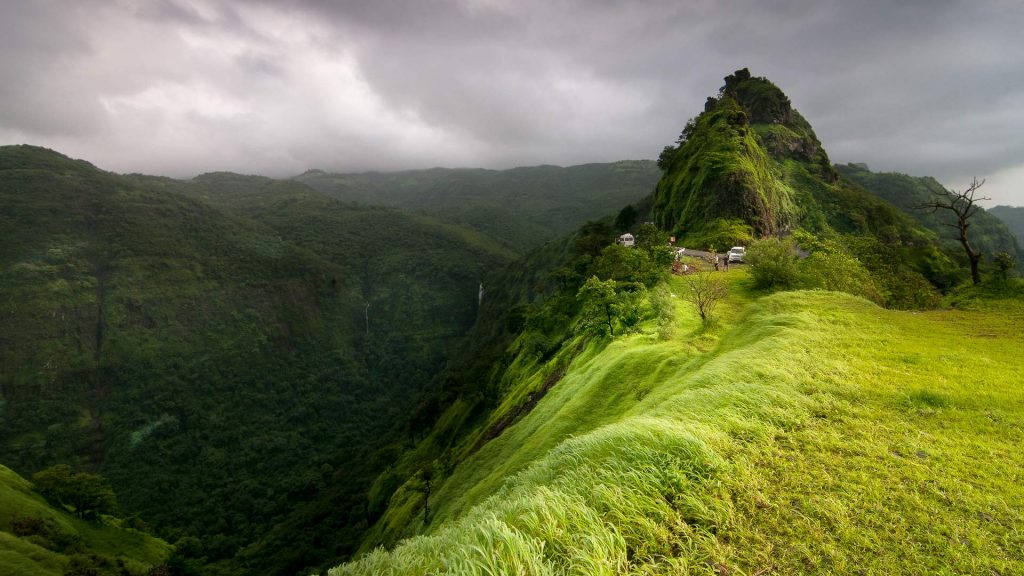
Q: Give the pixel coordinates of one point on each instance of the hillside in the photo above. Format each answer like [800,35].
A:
[521,207]
[1013,217]
[750,166]
[37,539]
[805,432]
[220,364]
[599,426]
[988,232]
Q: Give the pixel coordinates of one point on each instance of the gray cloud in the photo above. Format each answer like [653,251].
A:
[182,86]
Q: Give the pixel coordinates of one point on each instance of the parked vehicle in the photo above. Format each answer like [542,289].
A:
[736,254]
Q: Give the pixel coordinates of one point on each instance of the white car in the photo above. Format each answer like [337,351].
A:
[736,254]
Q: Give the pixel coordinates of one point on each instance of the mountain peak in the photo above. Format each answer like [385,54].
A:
[734,165]
[763,101]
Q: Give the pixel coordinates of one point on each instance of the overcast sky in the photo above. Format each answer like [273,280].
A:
[181,87]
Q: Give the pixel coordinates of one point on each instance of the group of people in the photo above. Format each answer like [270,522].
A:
[724,261]
[719,262]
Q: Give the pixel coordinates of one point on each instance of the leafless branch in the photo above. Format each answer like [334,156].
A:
[962,204]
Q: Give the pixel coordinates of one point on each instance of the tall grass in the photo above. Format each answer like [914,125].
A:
[800,441]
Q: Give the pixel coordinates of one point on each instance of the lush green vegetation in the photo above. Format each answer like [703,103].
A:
[272,373]
[523,207]
[610,429]
[804,432]
[38,539]
[225,351]
[988,233]
[751,167]
[242,356]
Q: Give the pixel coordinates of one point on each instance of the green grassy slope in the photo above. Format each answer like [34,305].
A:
[809,432]
[521,207]
[44,555]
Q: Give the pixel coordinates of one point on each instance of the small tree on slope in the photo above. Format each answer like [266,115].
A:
[705,291]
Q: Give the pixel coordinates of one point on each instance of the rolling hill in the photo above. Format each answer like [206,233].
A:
[521,207]
[38,539]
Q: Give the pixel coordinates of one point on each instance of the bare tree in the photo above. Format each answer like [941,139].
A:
[705,291]
[962,205]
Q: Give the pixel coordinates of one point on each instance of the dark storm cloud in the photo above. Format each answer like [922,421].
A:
[181,86]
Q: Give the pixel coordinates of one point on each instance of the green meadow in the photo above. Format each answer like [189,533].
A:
[802,432]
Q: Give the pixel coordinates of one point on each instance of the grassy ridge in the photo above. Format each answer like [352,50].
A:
[809,432]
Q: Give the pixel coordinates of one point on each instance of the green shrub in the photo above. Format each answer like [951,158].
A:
[831,268]
[1003,268]
[774,264]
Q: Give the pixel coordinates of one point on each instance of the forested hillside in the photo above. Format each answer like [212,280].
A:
[522,207]
[908,193]
[218,364]
[1013,217]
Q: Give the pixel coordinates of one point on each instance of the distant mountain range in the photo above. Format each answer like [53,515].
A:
[521,207]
